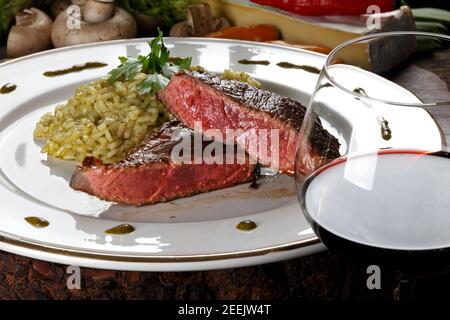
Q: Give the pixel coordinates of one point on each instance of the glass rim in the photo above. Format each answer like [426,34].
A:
[331,55]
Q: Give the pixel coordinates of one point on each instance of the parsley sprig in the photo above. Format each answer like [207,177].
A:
[157,65]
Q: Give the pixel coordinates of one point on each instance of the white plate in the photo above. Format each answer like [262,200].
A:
[195,233]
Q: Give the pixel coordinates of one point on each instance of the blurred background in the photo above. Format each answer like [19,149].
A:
[309,24]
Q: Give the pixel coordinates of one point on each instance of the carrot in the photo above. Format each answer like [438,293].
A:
[257,32]
[301,46]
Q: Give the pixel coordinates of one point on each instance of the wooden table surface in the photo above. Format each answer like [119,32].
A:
[429,78]
[320,276]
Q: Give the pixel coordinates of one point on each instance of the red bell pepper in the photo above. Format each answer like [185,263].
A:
[328,7]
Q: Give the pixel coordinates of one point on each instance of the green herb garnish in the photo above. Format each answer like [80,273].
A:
[156,65]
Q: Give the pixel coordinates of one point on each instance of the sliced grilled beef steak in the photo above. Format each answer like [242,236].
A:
[227,104]
[149,173]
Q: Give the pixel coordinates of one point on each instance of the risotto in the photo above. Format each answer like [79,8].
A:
[103,120]
[229,74]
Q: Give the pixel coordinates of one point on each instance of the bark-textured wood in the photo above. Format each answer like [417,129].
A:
[320,276]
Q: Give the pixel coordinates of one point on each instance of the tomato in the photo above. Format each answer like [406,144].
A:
[328,7]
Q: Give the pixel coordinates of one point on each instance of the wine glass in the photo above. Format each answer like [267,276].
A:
[372,166]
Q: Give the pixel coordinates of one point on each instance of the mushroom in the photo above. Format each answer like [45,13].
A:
[101,20]
[98,11]
[30,34]
[78,2]
[199,22]
[58,6]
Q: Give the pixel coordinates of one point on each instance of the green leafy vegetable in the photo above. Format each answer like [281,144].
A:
[427,26]
[426,44]
[432,15]
[153,83]
[127,70]
[8,9]
[168,11]
[158,66]
[431,20]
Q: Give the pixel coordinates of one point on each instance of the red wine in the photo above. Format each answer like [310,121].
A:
[392,205]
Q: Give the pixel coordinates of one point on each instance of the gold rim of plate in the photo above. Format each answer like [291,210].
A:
[159,259]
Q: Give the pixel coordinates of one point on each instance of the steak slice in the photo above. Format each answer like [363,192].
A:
[222,105]
[149,173]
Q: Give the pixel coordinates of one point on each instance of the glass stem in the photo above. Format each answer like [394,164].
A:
[404,290]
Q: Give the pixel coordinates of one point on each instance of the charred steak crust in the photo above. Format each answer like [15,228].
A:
[148,175]
[288,110]
[157,147]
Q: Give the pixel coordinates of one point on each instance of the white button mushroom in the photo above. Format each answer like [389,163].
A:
[30,34]
[199,23]
[101,20]
[98,11]
[58,6]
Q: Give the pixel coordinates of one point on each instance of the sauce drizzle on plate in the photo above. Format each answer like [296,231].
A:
[246,225]
[75,68]
[259,62]
[121,229]
[37,222]
[8,88]
[288,65]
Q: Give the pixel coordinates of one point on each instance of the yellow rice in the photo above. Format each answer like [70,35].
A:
[101,120]
[229,74]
